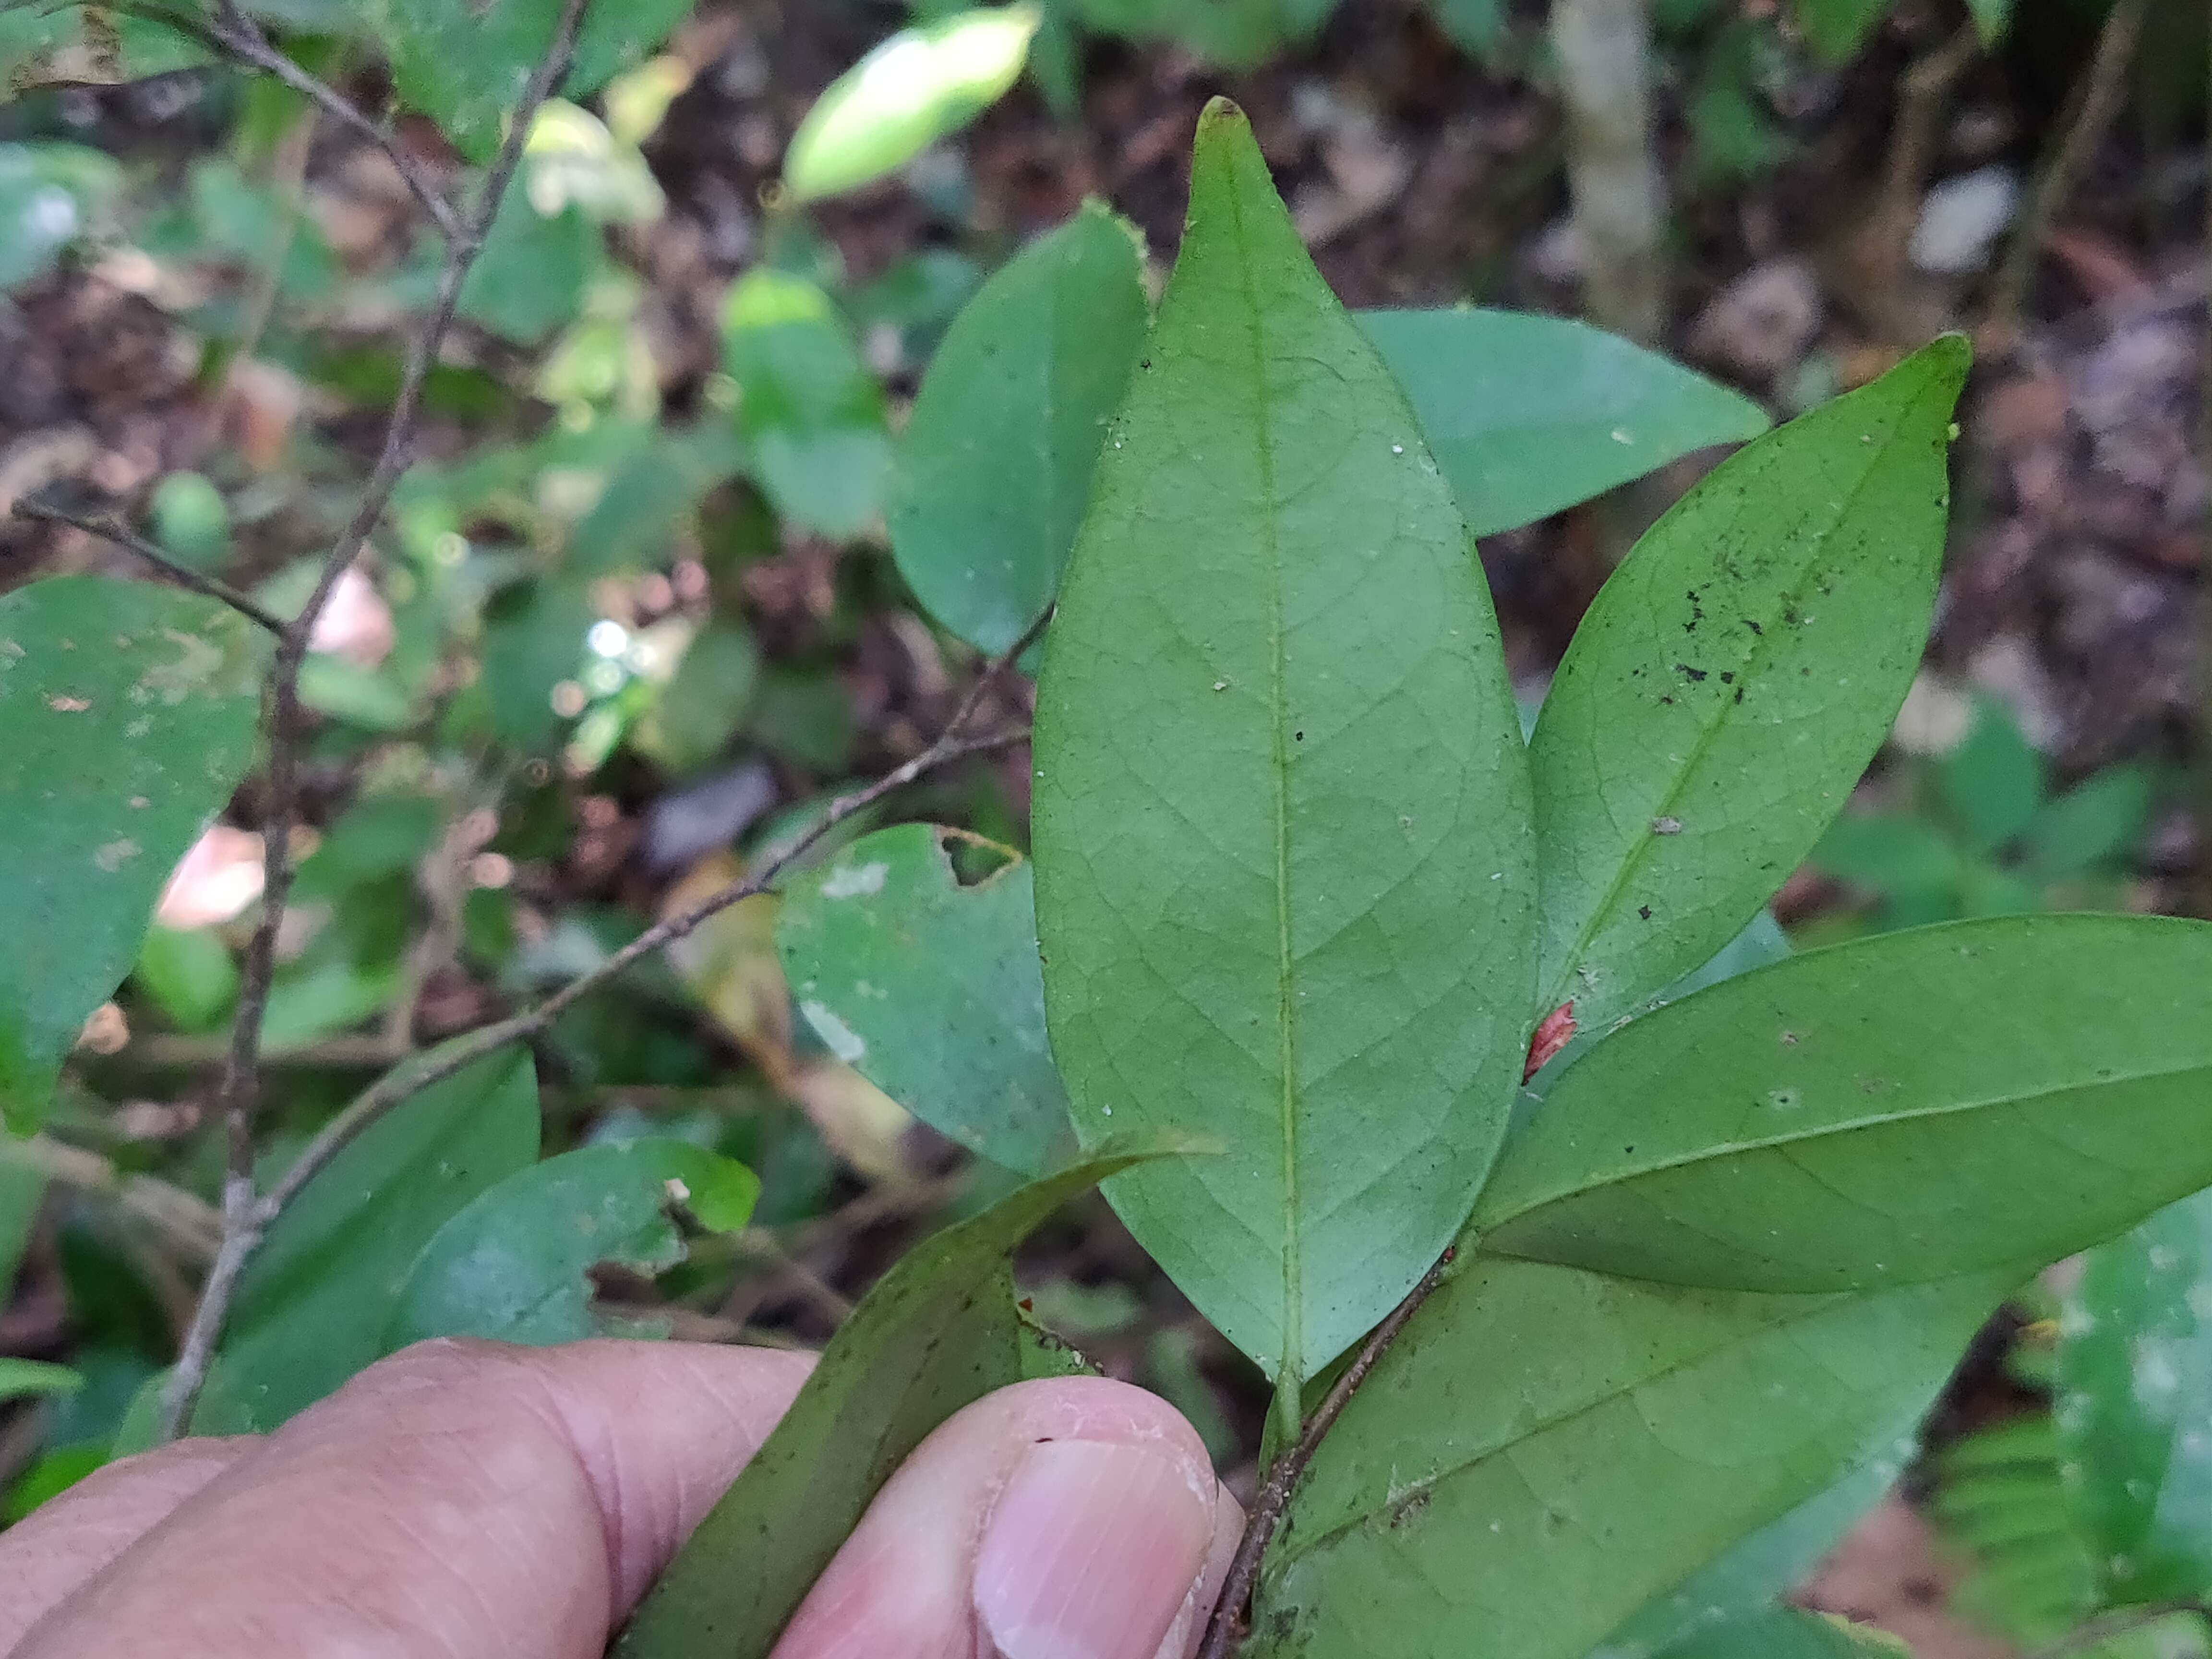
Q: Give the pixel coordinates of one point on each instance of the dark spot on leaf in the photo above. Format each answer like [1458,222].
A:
[1298,736]
[1685,669]
[1408,1510]
[1644,911]
[1727,678]
[1754,627]
[1739,693]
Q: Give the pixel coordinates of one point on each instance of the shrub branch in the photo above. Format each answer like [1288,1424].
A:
[287,720]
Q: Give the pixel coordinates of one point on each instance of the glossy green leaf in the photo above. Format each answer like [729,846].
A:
[995,466]
[1236,33]
[1543,1449]
[1993,781]
[935,1332]
[2000,1501]
[512,1266]
[920,85]
[810,409]
[2135,1405]
[1528,415]
[929,985]
[23,1378]
[1731,682]
[127,715]
[1284,873]
[465,65]
[314,1304]
[1896,1108]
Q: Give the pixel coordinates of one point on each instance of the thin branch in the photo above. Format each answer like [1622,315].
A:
[246,1223]
[1226,1627]
[189,1223]
[406,1083]
[183,575]
[239,37]
[2095,102]
[244,1219]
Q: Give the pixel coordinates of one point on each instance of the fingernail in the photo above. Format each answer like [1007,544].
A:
[1090,1553]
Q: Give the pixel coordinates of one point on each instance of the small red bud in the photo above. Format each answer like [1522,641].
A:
[1553,1034]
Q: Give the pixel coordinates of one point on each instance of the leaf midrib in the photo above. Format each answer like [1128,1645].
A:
[1292,1360]
[1857,1126]
[1708,733]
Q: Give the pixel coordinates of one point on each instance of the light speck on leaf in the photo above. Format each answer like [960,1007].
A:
[62,705]
[856,882]
[117,853]
[842,1040]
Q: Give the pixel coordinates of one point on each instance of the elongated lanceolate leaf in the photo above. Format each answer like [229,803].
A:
[1896,1108]
[994,468]
[513,1265]
[938,1331]
[929,987]
[1284,874]
[1528,415]
[2134,1406]
[313,1307]
[1790,1633]
[1731,682]
[1544,1449]
[126,719]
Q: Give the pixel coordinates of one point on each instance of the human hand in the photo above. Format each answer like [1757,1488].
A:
[465,1500]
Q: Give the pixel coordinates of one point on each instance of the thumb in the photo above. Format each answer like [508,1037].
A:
[1070,1518]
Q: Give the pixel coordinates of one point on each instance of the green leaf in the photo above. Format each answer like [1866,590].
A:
[1731,682]
[699,709]
[1279,793]
[930,986]
[22,1378]
[1993,781]
[1896,1108]
[1791,1633]
[313,1306]
[1235,34]
[1740,1584]
[1887,855]
[1999,1497]
[21,1189]
[2134,1406]
[935,1332]
[465,66]
[1475,26]
[1529,415]
[995,466]
[189,975]
[126,719]
[2097,822]
[813,413]
[1835,29]
[531,277]
[1490,1490]
[917,87]
[512,1266]
[1993,18]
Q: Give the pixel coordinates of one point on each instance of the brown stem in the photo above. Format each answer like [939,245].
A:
[2095,101]
[240,37]
[183,575]
[244,1219]
[1225,1628]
